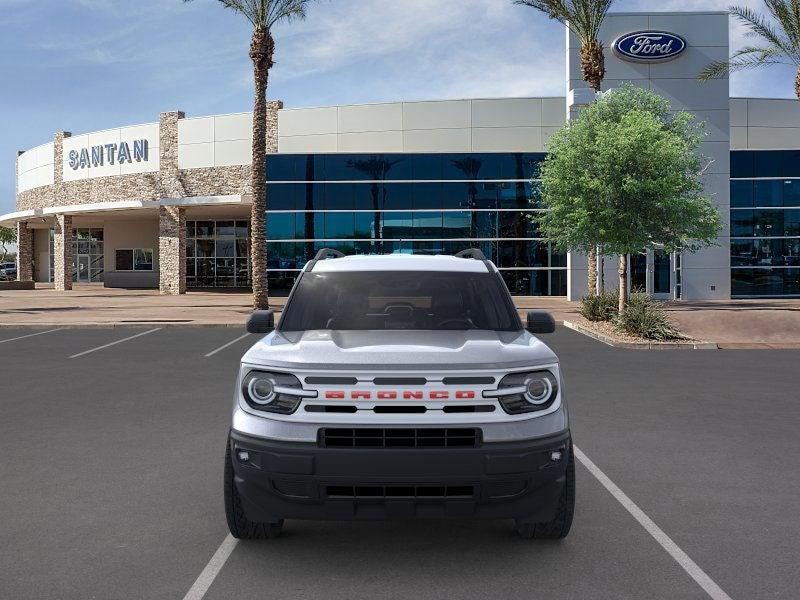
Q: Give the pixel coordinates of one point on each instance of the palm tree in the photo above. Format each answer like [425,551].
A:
[263,15]
[584,19]
[779,38]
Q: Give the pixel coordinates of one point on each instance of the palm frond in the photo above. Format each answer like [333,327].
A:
[746,58]
[759,26]
[583,17]
[785,13]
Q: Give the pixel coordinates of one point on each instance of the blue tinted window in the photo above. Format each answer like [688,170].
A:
[741,194]
[426,195]
[282,196]
[397,196]
[367,196]
[768,163]
[742,164]
[456,195]
[339,196]
[426,166]
[339,225]
[742,223]
[281,167]
[427,225]
[791,192]
[791,222]
[457,224]
[768,193]
[280,226]
[365,225]
[397,225]
[765,282]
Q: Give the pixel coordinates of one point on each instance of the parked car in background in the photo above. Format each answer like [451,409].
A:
[8,271]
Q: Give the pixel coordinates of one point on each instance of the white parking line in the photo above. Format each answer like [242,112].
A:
[686,563]
[214,566]
[22,337]
[115,343]
[231,343]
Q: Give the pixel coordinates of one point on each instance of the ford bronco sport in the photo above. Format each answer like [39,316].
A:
[399,386]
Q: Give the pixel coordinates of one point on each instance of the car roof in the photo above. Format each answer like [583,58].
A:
[402,262]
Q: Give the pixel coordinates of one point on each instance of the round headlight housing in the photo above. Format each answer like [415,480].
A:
[272,392]
[527,392]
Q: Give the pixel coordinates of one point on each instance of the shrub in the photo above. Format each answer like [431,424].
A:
[644,317]
[601,307]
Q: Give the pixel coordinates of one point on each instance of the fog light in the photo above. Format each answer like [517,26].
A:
[243,456]
[555,455]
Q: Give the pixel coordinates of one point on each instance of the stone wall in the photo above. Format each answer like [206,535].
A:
[62,251]
[172,250]
[24,252]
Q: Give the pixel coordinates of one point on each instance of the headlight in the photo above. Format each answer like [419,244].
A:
[526,392]
[274,392]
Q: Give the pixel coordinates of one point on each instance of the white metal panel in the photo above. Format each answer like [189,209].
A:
[738,109]
[507,139]
[691,94]
[554,111]
[196,131]
[371,117]
[234,152]
[437,140]
[716,122]
[690,63]
[73,143]
[233,127]
[773,112]
[195,156]
[547,133]
[445,114]
[307,121]
[698,29]
[101,138]
[767,138]
[371,141]
[507,112]
[739,138]
[300,144]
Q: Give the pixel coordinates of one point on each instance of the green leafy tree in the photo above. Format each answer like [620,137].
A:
[584,19]
[626,174]
[263,15]
[778,40]
[8,236]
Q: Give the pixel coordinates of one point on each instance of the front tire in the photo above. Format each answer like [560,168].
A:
[559,527]
[238,523]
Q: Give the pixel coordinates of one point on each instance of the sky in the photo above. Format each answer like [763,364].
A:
[86,65]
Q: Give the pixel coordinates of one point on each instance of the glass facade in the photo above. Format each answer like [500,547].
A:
[410,203]
[765,223]
[217,254]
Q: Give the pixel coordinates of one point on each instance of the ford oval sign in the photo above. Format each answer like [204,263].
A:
[649,46]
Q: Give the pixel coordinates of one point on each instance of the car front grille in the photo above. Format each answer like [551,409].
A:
[434,492]
[400,438]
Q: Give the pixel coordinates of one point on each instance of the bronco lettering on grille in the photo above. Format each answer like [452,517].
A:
[394,395]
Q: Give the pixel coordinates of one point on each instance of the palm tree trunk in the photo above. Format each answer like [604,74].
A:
[261,52]
[623,282]
[797,84]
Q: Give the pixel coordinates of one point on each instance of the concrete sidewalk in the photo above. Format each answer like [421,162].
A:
[734,324]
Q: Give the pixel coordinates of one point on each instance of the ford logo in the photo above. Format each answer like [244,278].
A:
[649,46]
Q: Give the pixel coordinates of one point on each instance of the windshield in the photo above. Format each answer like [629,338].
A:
[384,300]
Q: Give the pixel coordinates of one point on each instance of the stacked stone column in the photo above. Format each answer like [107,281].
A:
[62,250]
[24,252]
[172,250]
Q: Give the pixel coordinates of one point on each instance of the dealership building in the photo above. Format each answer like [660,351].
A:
[167,204]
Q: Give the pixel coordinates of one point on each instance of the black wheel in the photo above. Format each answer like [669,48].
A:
[238,523]
[559,527]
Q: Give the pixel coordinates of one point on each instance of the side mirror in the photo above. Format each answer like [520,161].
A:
[261,321]
[541,322]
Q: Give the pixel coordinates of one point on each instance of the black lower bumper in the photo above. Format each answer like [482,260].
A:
[281,480]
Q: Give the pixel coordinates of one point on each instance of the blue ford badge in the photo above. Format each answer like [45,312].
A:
[649,46]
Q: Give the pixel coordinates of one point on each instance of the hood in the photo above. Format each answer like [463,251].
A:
[417,350]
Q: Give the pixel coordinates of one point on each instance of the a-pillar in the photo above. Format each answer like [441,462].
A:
[62,253]
[24,252]
[171,250]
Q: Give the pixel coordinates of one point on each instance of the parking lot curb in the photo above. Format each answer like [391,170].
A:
[640,345]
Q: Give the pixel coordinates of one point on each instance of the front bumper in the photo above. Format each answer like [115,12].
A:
[285,480]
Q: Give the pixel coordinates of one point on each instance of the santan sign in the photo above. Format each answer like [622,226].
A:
[649,46]
[97,156]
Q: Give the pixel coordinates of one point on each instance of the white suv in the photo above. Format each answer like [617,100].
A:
[399,387]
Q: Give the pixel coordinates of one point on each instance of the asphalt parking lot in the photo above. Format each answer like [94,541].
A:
[110,481]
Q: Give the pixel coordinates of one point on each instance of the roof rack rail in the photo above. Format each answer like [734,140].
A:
[471,253]
[328,253]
